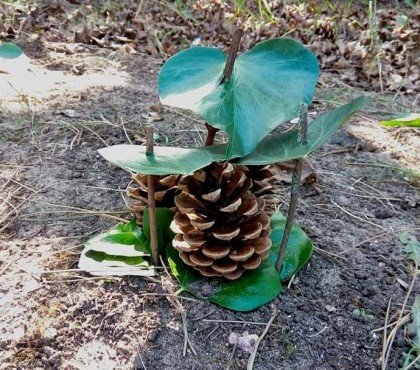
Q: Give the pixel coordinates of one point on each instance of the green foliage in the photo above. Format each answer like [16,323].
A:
[284,147]
[414,329]
[9,51]
[254,288]
[298,251]
[119,251]
[412,246]
[274,148]
[125,249]
[164,161]
[405,120]
[268,85]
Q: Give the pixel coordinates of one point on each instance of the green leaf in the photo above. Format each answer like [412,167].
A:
[252,290]
[284,147]
[414,327]
[164,217]
[412,246]
[166,160]
[10,51]
[119,251]
[405,120]
[299,248]
[413,250]
[268,85]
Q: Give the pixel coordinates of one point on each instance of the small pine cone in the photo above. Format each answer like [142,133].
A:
[221,228]
[165,190]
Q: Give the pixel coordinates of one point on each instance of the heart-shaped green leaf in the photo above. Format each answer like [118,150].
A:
[118,251]
[10,51]
[274,148]
[268,85]
[252,290]
[164,217]
[298,251]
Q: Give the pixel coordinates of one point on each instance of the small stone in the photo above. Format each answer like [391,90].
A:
[330,308]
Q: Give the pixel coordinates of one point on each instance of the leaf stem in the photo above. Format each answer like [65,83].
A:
[151,202]
[295,187]
[227,74]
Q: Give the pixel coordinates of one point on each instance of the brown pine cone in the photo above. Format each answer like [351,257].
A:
[266,179]
[221,228]
[165,191]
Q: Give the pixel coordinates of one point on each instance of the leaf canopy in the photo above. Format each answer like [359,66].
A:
[268,85]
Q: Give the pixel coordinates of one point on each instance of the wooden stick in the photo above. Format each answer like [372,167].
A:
[227,74]
[233,52]
[295,188]
[211,134]
[151,202]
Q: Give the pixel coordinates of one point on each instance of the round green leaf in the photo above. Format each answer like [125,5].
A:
[250,291]
[10,51]
[267,87]
[298,251]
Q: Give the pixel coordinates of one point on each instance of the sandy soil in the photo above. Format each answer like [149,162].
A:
[58,191]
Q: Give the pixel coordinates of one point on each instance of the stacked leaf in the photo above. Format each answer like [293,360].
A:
[165,190]
[221,228]
[119,251]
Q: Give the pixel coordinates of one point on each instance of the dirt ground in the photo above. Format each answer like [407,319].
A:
[57,191]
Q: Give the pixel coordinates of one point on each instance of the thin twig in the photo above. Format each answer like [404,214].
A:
[233,51]
[151,200]
[295,187]
[227,74]
[261,337]
[356,217]
[412,363]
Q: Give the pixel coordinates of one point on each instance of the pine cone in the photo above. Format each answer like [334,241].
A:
[266,179]
[165,190]
[221,228]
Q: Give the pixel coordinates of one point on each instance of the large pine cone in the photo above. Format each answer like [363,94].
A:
[221,228]
[165,190]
